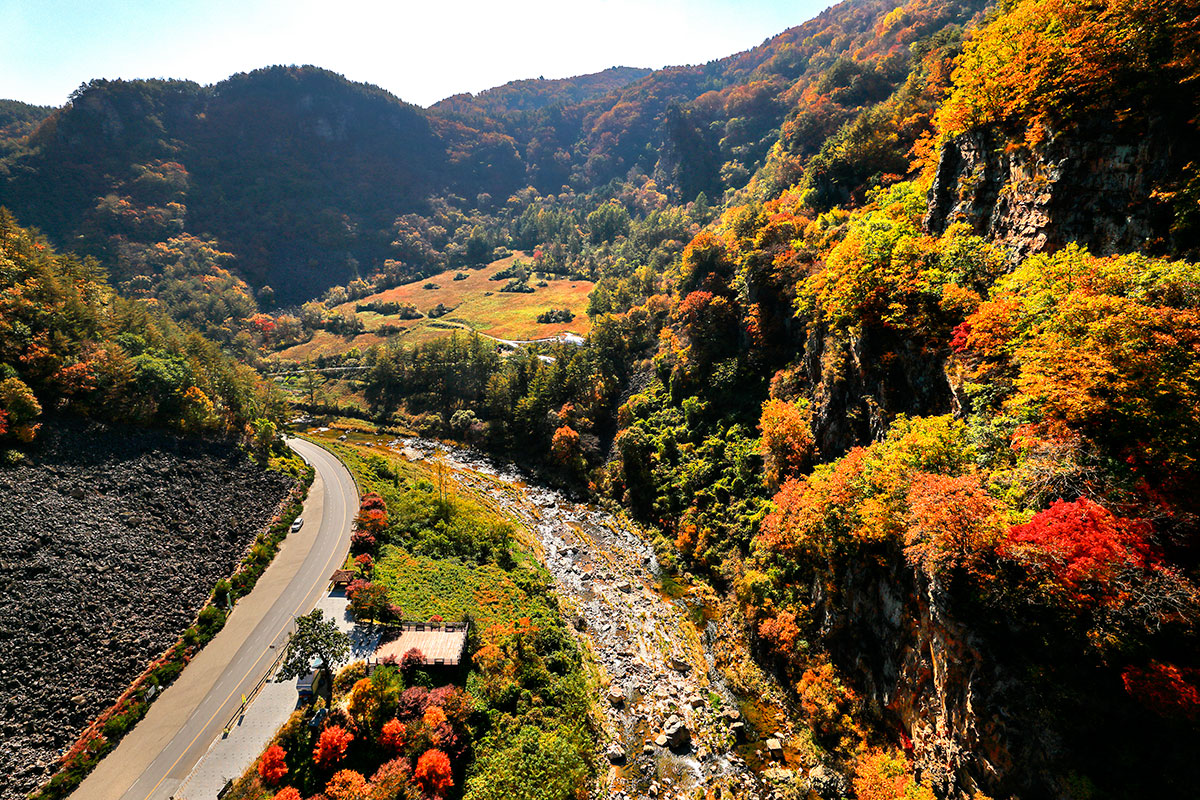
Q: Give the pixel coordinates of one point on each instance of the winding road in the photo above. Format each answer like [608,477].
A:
[157,755]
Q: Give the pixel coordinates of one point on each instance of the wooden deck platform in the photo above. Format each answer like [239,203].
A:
[439,644]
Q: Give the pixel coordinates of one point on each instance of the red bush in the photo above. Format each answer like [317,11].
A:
[1082,541]
[273,765]
[361,541]
[411,660]
[1165,689]
[288,793]
[433,772]
[392,737]
[331,747]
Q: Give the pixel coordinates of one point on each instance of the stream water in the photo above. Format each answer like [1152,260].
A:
[672,725]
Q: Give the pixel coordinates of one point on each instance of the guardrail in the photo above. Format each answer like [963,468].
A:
[247,699]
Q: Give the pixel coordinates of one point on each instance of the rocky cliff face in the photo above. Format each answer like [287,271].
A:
[974,722]
[863,380]
[110,542]
[1094,184]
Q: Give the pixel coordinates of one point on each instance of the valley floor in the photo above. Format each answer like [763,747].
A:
[686,708]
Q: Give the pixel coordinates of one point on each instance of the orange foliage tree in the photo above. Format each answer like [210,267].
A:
[952,522]
[433,773]
[1042,61]
[347,784]
[331,746]
[273,765]
[564,447]
[880,775]
[1100,348]
[787,441]
[826,700]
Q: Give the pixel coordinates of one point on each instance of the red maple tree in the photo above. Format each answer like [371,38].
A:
[433,772]
[331,747]
[273,765]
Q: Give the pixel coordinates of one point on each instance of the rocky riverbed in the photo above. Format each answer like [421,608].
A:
[110,541]
[675,725]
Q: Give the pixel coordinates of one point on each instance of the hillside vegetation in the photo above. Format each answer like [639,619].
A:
[892,336]
[68,341]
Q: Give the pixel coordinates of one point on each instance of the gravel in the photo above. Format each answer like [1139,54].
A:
[111,539]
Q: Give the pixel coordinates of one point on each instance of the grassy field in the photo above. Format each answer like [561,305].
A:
[424,585]
[478,305]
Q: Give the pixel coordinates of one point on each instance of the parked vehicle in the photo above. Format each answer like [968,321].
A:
[298,524]
[311,685]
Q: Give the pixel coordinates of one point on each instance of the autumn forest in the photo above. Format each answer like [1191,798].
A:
[886,331]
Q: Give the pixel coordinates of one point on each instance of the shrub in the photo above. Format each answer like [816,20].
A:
[332,745]
[347,785]
[391,779]
[887,776]
[433,773]
[273,765]
[392,738]
[348,676]
[412,660]
[1165,689]
[1080,542]
[555,314]
[952,522]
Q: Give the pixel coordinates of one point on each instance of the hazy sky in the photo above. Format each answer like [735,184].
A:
[420,51]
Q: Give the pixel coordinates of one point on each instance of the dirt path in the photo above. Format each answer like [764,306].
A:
[673,727]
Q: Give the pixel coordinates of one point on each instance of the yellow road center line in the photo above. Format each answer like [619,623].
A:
[253,669]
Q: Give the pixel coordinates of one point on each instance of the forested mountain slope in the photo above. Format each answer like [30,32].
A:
[894,337]
[298,173]
[934,426]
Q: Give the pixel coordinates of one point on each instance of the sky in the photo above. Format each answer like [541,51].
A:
[419,51]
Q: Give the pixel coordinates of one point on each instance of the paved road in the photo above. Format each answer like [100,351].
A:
[156,756]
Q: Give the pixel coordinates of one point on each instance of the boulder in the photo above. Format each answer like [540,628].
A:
[615,753]
[827,783]
[775,748]
[676,731]
[616,695]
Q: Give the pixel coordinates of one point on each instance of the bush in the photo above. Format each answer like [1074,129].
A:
[556,315]
[517,285]
[273,765]
[348,676]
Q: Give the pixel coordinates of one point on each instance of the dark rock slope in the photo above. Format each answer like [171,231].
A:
[1098,184]
[110,542]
